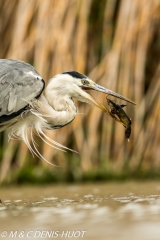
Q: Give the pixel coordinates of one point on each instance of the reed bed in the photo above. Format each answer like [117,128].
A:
[117,44]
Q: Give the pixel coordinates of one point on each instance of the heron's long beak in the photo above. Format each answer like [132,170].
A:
[90,99]
[109,92]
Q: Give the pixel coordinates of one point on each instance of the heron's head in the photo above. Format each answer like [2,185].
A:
[76,85]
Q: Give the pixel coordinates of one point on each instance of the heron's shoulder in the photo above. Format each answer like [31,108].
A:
[17,71]
[19,84]
[16,66]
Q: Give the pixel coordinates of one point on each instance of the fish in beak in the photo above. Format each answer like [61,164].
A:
[90,99]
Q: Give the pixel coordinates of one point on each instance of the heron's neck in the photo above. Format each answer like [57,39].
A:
[58,111]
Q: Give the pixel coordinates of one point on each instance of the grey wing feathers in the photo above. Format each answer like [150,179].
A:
[19,83]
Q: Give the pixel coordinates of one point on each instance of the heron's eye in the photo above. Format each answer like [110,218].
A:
[85,82]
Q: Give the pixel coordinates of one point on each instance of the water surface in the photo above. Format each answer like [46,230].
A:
[90,211]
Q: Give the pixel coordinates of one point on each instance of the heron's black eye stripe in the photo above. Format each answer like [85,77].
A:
[85,82]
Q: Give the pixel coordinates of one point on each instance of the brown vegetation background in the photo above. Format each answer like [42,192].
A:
[117,44]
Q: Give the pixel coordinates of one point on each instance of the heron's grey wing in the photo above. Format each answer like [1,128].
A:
[19,83]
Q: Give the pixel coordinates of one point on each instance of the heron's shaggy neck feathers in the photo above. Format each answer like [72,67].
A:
[53,116]
[42,115]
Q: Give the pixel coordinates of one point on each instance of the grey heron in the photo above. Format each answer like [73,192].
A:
[27,105]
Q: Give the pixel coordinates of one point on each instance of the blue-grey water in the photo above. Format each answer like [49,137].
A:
[110,211]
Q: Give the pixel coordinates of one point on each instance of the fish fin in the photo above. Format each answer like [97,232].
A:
[122,105]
